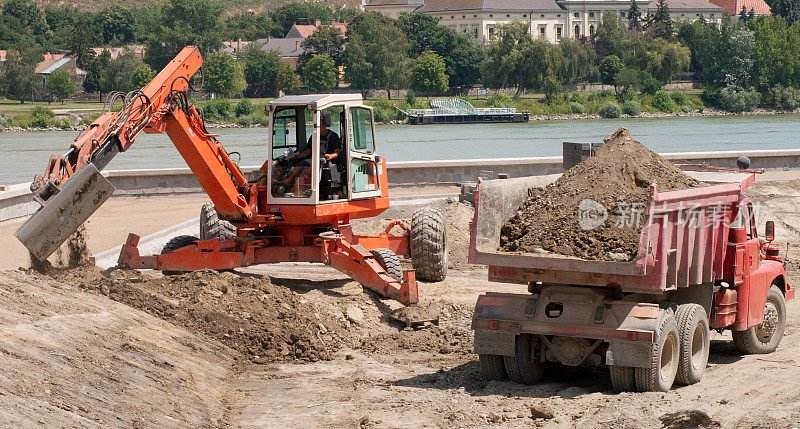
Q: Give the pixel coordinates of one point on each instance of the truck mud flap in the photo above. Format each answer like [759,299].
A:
[494,343]
[63,213]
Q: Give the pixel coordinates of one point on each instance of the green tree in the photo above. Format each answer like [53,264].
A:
[662,25]
[116,76]
[429,74]
[634,17]
[515,59]
[611,35]
[142,75]
[80,43]
[61,85]
[788,9]
[94,73]
[25,22]
[376,55]
[319,73]
[462,55]
[261,71]
[551,89]
[248,26]
[17,78]
[116,23]
[183,23]
[776,52]
[610,67]
[743,14]
[223,75]
[326,40]
[299,12]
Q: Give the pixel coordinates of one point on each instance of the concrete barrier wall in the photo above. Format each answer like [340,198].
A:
[15,203]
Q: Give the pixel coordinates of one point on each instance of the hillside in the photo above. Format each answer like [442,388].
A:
[230,6]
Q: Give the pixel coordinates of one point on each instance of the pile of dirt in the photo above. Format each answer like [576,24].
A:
[595,209]
[457,216]
[266,323]
[448,339]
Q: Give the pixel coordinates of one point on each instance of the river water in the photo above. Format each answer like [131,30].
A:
[26,153]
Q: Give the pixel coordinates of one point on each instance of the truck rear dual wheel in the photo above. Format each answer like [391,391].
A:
[664,356]
[492,367]
[694,343]
[623,378]
[429,244]
[211,226]
[765,337]
[526,366]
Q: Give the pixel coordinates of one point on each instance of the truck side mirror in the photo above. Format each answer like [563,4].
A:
[769,231]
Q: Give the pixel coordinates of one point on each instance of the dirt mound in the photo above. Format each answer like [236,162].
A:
[264,322]
[437,339]
[594,210]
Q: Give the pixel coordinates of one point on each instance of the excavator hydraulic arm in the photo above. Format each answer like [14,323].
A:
[72,188]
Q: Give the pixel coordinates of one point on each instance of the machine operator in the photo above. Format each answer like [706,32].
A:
[330,148]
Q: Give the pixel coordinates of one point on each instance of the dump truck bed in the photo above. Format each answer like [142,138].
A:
[683,240]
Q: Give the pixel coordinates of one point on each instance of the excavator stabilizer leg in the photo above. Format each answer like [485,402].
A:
[64,212]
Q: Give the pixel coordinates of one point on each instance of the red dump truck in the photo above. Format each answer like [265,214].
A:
[700,266]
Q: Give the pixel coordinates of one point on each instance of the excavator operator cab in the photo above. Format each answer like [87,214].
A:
[322,150]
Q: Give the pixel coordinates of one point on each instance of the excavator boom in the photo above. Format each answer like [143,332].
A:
[72,188]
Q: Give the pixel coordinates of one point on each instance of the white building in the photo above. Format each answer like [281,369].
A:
[549,19]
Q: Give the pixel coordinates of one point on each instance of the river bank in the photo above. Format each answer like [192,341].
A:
[705,113]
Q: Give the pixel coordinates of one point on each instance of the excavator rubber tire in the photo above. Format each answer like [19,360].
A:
[390,262]
[748,341]
[176,243]
[663,358]
[694,343]
[623,378]
[429,244]
[525,367]
[211,226]
[492,367]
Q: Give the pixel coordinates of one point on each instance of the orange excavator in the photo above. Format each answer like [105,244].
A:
[297,208]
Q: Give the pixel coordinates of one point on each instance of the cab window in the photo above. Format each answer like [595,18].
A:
[362,140]
[291,128]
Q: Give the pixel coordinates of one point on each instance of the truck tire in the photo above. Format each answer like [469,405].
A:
[663,358]
[525,367]
[492,367]
[764,337]
[176,243]
[623,378]
[211,226]
[694,343]
[428,244]
[390,262]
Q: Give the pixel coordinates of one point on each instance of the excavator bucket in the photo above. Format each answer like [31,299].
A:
[64,212]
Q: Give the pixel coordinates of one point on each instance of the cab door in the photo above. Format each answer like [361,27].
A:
[363,178]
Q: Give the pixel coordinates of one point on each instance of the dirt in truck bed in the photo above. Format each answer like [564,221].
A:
[593,210]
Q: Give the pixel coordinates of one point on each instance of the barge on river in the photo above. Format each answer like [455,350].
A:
[458,111]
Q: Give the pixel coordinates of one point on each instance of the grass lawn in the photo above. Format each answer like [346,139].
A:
[15,107]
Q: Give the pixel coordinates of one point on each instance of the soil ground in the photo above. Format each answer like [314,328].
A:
[80,349]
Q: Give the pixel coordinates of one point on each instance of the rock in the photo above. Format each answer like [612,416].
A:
[541,411]
[354,314]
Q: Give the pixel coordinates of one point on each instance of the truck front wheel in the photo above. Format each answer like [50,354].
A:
[663,358]
[526,366]
[694,343]
[764,337]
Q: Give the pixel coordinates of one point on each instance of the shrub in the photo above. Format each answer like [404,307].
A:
[663,102]
[575,97]
[679,98]
[244,107]
[632,108]
[610,110]
[685,109]
[650,85]
[42,111]
[737,99]
[220,108]
[384,110]
[500,100]
[785,97]
[411,98]
[576,107]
